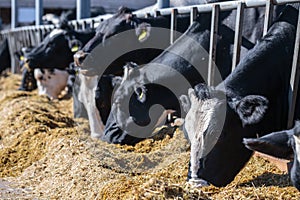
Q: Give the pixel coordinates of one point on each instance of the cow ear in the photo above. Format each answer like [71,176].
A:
[250,109]
[275,144]
[143,31]
[75,45]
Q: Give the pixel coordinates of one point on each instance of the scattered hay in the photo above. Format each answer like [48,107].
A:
[44,153]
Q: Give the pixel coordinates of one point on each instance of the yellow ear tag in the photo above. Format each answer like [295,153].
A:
[75,48]
[143,35]
[22,58]
[141,95]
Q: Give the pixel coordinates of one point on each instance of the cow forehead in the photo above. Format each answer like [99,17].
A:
[56,32]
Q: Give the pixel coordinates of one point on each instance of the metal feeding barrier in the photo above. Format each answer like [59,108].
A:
[33,35]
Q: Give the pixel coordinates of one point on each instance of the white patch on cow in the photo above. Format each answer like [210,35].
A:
[203,129]
[87,97]
[56,32]
[297,147]
[51,83]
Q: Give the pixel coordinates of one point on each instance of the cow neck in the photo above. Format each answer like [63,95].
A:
[183,50]
[267,66]
[83,36]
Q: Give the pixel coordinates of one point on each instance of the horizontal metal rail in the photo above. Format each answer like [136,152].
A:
[224,6]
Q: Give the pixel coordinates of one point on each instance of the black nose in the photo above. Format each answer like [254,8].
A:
[79,57]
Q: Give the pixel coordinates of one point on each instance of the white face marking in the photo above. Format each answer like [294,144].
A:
[297,147]
[51,83]
[55,32]
[203,124]
[87,97]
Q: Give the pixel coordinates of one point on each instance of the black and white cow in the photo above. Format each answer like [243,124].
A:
[56,52]
[4,56]
[252,100]
[105,61]
[282,144]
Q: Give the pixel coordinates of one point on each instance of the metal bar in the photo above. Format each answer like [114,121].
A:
[83,9]
[213,44]
[163,3]
[92,24]
[224,6]
[238,35]
[268,16]
[84,25]
[193,14]
[147,15]
[14,13]
[38,12]
[295,76]
[156,13]
[173,26]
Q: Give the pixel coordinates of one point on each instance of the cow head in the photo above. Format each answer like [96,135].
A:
[139,106]
[212,116]
[54,52]
[282,144]
[51,82]
[122,21]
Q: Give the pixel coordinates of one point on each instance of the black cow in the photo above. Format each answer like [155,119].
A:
[252,100]
[282,144]
[4,56]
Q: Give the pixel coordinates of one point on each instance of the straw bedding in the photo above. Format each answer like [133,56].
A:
[45,153]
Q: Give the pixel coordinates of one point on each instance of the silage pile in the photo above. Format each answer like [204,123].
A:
[45,153]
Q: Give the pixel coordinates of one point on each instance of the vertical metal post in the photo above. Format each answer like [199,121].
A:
[14,13]
[194,12]
[295,76]
[83,9]
[173,25]
[268,16]
[163,4]
[156,13]
[38,12]
[238,35]
[213,45]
